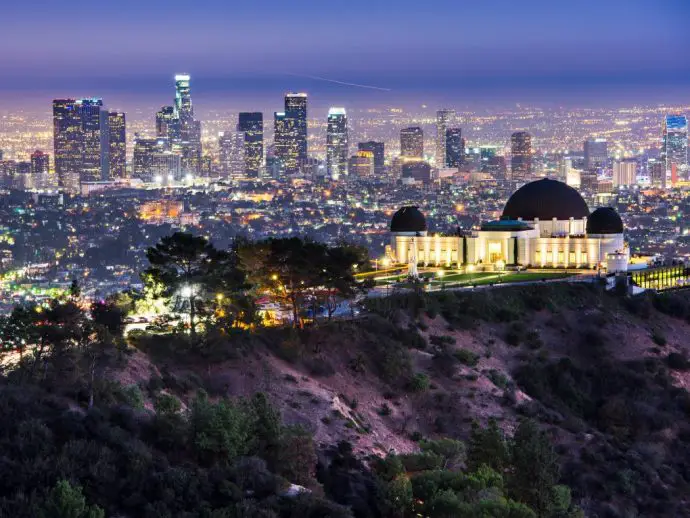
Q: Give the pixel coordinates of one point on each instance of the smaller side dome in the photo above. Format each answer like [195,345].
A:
[408,219]
[604,220]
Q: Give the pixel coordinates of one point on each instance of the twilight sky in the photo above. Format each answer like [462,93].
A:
[555,50]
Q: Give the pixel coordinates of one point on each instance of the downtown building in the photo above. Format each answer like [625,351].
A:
[251,125]
[455,147]
[337,149]
[290,133]
[521,156]
[82,142]
[412,143]
[444,118]
[674,148]
[377,149]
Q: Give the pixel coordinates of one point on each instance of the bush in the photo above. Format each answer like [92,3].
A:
[533,340]
[419,383]
[498,378]
[442,340]
[467,357]
[384,410]
[515,334]
[167,404]
[319,367]
[658,338]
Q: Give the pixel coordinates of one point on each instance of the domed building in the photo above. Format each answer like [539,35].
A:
[545,223]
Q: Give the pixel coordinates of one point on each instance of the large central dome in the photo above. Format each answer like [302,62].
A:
[545,199]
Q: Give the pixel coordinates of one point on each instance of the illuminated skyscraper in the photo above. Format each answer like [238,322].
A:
[231,145]
[674,147]
[521,156]
[40,163]
[188,142]
[596,153]
[280,141]
[378,150]
[295,131]
[361,165]
[167,123]
[657,172]
[336,143]
[251,124]
[412,142]
[443,119]
[455,147]
[81,141]
[144,151]
[624,173]
[118,145]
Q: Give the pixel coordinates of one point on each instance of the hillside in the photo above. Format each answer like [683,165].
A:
[605,376]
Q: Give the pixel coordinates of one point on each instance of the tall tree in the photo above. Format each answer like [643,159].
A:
[188,266]
[338,270]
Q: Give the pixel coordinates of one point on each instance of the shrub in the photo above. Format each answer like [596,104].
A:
[515,333]
[467,357]
[384,410]
[167,404]
[441,340]
[319,367]
[498,378]
[533,340]
[419,383]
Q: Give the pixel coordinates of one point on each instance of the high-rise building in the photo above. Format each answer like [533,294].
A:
[521,156]
[361,165]
[184,131]
[596,153]
[144,151]
[232,154]
[378,150]
[167,123]
[674,148]
[624,173]
[336,143]
[251,124]
[118,145]
[443,119]
[165,167]
[81,141]
[295,132]
[412,142]
[40,163]
[657,173]
[455,147]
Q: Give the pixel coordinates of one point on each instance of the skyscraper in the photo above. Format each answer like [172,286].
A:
[361,165]
[118,145]
[336,143]
[188,143]
[231,145]
[167,124]
[455,147]
[252,125]
[596,153]
[443,119]
[378,150]
[674,147]
[81,141]
[412,142]
[40,163]
[142,161]
[295,131]
[624,173]
[521,156]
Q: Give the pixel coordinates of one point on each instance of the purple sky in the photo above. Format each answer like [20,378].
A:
[493,50]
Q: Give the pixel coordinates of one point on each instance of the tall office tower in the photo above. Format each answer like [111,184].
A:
[167,124]
[361,165]
[144,150]
[336,143]
[81,141]
[165,167]
[443,119]
[596,153]
[40,163]
[674,147]
[657,172]
[521,156]
[8,171]
[412,142]
[252,125]
[455,147]
[232,154]
[378,150]
[295,131]
[188,143]
[118,145]
[624,173]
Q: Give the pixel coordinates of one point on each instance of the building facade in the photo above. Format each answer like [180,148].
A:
[674,147]
[378,150]
[521,156]
[251,124]
[444,118]
[337,149]
[544,224]
[412,142]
